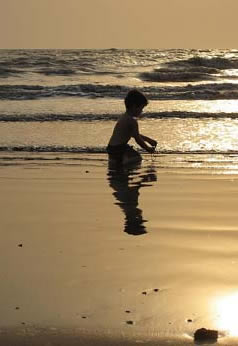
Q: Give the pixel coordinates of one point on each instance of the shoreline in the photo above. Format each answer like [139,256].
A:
[72,337]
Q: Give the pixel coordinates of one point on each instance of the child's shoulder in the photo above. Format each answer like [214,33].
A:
[129,118]
[128,121]
[133,121]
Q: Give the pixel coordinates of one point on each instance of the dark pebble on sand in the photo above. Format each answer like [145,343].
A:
[20,245]
[189,320]
[205,335]
[84,316]
[156,290]
[130,322]
[86,171]
[127,311]
[17,308]
[144,292]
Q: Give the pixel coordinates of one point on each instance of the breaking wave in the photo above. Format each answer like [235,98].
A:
[193,69]
[172,75]
[29,92]
[218,63]
[209,91]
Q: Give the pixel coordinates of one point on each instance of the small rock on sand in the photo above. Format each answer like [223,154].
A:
[130,322]
[205,335]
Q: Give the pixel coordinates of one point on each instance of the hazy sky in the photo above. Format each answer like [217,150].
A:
[118,23]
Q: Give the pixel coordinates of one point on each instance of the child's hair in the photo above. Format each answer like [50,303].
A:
[135,97]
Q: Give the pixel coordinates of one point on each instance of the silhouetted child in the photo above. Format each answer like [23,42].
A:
[126,127]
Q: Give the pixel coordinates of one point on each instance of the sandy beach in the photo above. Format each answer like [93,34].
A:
[94,257]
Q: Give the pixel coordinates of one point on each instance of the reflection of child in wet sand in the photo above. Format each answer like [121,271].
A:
[126,185]
[126,127]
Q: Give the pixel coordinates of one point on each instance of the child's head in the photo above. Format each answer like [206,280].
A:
[135,100]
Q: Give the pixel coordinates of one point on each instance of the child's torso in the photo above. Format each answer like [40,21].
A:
[122,131]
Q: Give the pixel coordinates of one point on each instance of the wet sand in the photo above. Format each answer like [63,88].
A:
[95,257]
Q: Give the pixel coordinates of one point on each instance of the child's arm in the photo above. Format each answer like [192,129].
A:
[149,140]
[140,139]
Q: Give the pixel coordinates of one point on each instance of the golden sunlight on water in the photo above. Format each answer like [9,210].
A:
[200,106]
[217,106]
[221,135]
[227,308]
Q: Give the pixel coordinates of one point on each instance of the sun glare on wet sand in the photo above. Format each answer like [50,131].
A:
[227,308]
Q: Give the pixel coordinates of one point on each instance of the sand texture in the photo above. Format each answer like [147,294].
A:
[97,257]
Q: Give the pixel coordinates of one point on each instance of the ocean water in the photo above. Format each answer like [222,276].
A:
[57,105]
[58,108]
